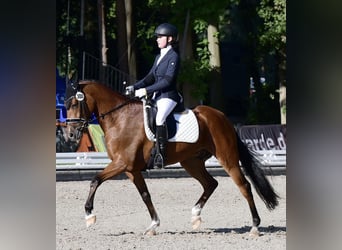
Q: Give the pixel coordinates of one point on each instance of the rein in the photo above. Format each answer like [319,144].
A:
[114,109]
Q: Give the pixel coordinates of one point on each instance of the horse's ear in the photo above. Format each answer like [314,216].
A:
[71,89]
[67,84]
[74,85]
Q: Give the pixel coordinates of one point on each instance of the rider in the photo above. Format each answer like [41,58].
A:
[160,82]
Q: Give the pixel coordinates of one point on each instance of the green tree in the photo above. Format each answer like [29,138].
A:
[272,41]
[69,41]
[270,62]
[259,26]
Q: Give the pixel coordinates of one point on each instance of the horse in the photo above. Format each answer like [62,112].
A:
[121,119]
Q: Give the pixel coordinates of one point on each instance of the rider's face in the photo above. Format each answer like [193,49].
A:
[162,41]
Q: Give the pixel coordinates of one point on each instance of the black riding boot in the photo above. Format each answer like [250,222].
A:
[161,141]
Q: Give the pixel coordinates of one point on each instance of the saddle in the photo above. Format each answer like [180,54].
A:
[182,124]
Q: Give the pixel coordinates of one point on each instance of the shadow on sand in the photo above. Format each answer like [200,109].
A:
[237,230]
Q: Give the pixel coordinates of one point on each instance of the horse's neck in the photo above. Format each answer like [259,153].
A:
[107,102]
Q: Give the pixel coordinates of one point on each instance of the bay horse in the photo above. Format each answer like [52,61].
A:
[121,119]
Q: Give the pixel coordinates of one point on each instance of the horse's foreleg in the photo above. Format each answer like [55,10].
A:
[91,218]
[140,184]
[196,168]
[105,174]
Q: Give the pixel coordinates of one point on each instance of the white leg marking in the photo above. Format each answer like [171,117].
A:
[196,210]
[151,230]
[196,218]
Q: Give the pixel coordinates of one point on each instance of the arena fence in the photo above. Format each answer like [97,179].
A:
[99,160]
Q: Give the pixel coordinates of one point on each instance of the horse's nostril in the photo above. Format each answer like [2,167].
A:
[71,135]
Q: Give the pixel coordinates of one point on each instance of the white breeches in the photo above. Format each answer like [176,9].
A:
[165,106]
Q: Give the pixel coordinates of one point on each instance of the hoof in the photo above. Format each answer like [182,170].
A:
[90,219]
[254,232]
[150,232]
[196,222]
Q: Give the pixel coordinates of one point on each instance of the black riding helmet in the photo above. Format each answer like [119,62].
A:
[166,29]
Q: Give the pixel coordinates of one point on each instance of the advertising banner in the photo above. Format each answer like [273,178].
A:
[264,137]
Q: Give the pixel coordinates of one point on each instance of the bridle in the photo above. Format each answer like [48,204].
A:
[85,110]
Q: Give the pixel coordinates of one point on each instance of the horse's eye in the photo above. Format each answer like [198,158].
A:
[74,106]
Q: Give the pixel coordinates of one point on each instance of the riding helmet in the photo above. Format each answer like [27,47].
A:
[166,29]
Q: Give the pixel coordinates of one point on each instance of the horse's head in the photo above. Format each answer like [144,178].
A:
[78,113]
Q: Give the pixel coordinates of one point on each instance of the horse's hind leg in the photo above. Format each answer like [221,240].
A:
[139,182]
[240,180]
[196,168]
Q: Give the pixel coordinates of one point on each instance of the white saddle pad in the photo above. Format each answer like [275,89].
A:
[187,127]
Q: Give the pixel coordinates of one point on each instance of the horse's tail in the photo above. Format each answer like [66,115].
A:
[257,176]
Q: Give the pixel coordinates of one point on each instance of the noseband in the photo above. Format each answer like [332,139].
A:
[80,129]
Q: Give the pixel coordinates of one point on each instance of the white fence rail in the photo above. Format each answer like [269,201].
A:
[272,157]
[99,160]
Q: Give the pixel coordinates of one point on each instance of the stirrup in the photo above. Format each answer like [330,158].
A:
[158,161]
